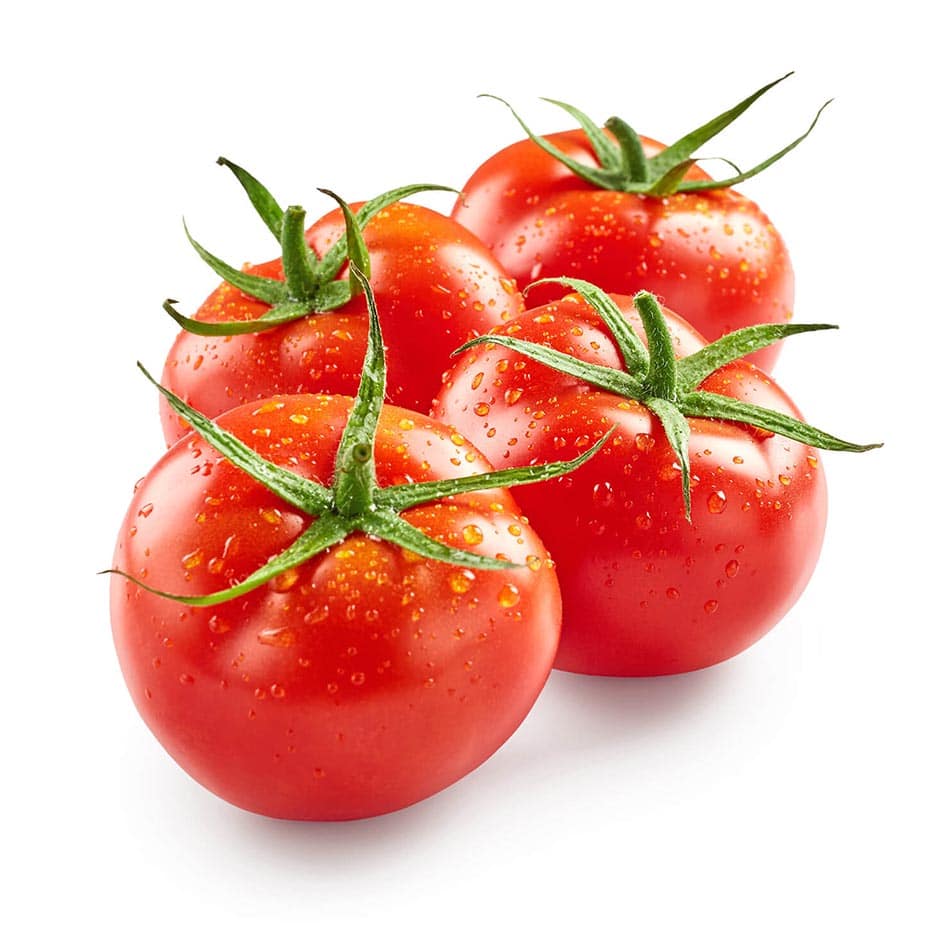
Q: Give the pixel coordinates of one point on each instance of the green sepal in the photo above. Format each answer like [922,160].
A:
[265,289]
[685,147]
[603,177]
[635,356]
[702,404]
[323,533]
[599,376]
[334,258]
[675,425]
[403,496]
[263,201]
[329,297]
[606,151]
[304,494]
[752,172]
[354,478]
[356,250]
[695,368]
[387,525]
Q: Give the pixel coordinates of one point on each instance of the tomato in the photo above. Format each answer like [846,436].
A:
[646,591]
[435,283]
[711,255]
[327,609]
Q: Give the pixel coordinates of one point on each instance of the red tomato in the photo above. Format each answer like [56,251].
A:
[711,255]
[435,283]
[359,682]
[645,591]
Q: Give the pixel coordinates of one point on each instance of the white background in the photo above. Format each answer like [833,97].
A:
[792,796]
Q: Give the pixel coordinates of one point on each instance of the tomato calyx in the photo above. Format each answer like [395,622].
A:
[667,386]
[623,165]
[353,502]
[309,285]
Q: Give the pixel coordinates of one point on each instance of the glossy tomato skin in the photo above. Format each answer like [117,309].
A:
[712,256]
[645,592]
[362,681]
[435,285]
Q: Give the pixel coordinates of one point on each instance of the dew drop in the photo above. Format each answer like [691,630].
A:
[508,596]
[512,395]
[711,606]
[286,580]
[279,638]
[717,501]
[193,559]
[186,679]
[603,495]
[481,409]
[472,534]
[146,510]
[319,614]
[218,625]
[357,678]
[476,381]
[731,569]
[672,593]
[462,581]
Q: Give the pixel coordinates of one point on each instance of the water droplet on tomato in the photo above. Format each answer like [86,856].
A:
[481,409]
[461,581]
[472,534]
[508,596]
[279,638]
[603,495]
[513,395]
[286,580]
[711,606]
[732,568]
[357,678]
[146,510]
[717,501]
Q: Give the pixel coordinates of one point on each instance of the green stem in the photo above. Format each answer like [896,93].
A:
[660,380]
[299,262]
[354,484]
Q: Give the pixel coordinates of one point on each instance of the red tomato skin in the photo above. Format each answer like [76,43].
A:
[645,592]
[361,682]
[435,284]
[713,256]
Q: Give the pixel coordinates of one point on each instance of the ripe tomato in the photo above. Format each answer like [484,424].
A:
[711,255]
[645,590]
[359,682]
[435,283]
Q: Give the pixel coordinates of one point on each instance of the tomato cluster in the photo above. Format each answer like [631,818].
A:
[344,585]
